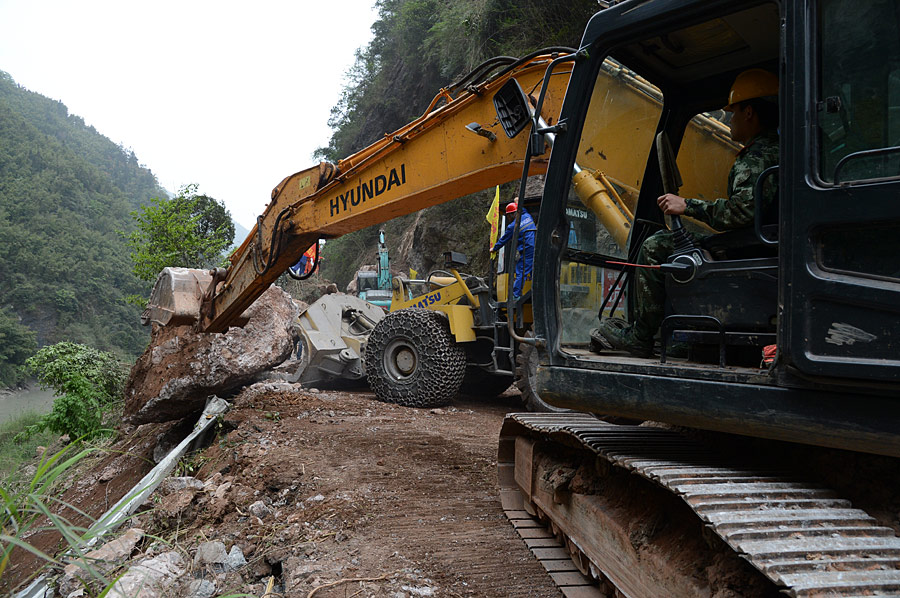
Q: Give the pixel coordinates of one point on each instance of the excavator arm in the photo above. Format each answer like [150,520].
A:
[458,146]
[429,161]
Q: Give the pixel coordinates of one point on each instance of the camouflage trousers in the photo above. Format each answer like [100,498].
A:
[650,285]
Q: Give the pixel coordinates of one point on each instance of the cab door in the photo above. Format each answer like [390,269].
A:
[840,235]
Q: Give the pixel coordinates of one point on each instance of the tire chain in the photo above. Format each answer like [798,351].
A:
[441,362]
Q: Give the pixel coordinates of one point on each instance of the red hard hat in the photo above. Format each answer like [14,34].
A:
[511,207]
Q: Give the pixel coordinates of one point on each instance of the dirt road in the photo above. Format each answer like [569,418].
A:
[320,487]
[360,489]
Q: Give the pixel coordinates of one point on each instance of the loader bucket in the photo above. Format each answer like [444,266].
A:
[175,299]
[333,332]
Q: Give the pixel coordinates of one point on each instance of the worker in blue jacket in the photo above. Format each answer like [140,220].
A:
[525,247]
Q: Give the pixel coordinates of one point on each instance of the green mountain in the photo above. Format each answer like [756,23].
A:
[65,193]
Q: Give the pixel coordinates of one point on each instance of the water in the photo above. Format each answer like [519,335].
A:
[19,402]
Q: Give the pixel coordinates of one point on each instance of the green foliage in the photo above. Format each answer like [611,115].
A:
[77,412]
[56,366]
[86,382]
[190,230]
[64,192]
[17,343]
[13,455]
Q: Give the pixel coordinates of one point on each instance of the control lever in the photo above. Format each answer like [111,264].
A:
[672,181]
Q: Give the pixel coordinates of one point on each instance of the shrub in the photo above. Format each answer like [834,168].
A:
[86,382]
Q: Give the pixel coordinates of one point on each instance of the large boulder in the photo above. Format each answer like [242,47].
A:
[182,367]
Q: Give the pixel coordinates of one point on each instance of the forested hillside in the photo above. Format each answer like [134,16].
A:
[420,46]
[65,193]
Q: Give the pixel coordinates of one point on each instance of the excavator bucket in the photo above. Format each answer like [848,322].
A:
[175,299]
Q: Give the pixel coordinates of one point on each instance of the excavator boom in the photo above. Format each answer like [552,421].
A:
[429,161]
[459,146]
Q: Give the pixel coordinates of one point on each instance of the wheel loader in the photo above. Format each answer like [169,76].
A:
[816,277]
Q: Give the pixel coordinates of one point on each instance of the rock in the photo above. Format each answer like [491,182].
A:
[235,559]
[201,588]
[211,553]
[172,485]
[39,451]
[296,570]
[104,559]
[150,578]
[259,509]
[181,367]
[213,482]
[176,504]
[222,489]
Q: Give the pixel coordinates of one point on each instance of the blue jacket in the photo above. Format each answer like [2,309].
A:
[527,229]
[525,248]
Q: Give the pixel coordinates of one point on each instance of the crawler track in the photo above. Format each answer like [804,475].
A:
[803,538]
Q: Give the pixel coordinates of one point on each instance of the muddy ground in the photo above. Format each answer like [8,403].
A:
[351,488]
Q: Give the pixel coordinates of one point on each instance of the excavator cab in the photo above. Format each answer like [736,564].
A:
[816,275]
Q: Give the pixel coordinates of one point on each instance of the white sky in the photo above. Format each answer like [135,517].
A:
[233,96]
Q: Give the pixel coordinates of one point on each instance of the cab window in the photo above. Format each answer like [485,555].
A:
[612,155]
[859,87]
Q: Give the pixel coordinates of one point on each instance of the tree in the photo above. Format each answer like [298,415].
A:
[190,230]
[86,381]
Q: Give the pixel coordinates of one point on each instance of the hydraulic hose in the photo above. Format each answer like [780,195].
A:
[509,62]
[311,272]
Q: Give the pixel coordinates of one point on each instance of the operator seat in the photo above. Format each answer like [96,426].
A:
[732,298]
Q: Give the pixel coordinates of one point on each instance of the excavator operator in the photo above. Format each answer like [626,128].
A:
[753,103]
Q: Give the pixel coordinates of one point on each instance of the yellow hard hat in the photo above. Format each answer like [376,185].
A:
[752,83]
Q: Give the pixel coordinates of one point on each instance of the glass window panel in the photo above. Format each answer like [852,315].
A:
[859,89]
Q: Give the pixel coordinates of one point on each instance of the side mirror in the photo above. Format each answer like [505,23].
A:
[511,106]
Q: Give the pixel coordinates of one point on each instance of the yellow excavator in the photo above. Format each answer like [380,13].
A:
[464,143]
[652,510]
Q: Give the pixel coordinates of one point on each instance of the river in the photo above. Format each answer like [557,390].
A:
[19,402]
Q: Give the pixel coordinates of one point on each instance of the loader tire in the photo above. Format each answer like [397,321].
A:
[526,370]
[413,360]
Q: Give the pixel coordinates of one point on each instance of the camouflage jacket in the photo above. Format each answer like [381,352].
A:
[736,210]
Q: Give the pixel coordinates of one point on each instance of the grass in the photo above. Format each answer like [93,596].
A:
[30,485]
[15,456]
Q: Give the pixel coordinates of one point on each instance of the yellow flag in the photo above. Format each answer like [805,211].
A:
[413,275]
[493,217]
